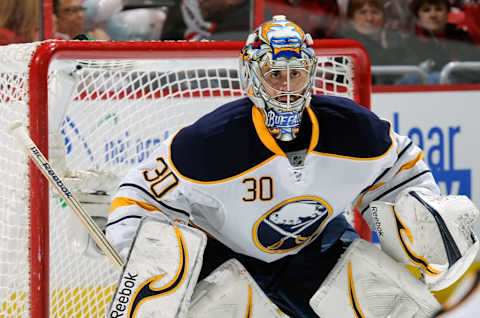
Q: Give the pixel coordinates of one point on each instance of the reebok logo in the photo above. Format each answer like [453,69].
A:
[378,225]
[124,292]
[52,173]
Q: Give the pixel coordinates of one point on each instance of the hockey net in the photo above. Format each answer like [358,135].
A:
[97,109]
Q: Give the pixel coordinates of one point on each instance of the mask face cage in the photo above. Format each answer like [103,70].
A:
[277,70]
[284,86]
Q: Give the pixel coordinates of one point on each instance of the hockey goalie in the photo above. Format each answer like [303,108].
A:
[249,202]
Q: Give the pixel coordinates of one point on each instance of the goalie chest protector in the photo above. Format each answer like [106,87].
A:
[241,189]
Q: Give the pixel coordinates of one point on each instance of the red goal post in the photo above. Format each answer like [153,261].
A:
[102,106]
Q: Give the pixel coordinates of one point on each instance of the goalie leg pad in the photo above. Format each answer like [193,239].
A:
[368,283]
[161,271]
[431,232]
[230,292]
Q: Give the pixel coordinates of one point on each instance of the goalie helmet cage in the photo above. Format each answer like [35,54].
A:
[103,106]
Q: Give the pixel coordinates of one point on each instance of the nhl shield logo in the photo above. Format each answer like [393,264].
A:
[290,224]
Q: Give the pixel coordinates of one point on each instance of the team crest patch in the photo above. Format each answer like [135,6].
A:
[280,124]
[290,224]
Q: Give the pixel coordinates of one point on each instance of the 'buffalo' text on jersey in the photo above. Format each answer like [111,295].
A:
[226,175]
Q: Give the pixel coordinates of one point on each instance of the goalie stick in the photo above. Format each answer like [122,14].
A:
[18,130]
[137,274]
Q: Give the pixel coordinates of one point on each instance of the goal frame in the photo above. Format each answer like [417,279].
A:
[38,125]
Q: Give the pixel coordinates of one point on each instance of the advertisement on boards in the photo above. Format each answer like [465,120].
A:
[445,124]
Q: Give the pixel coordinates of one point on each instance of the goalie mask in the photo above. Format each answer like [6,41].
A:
[277,67]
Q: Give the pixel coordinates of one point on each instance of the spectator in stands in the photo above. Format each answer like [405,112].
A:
[318,17]
[365,24]
[471,20]
[398,15]
[438,42]
[127,20]
[140,24]
[98,14]
[207,19]
[19,21]
[69,16]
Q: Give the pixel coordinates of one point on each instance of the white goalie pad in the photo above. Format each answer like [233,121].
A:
[368,283]
[230,292]
[431,232]
[161,271]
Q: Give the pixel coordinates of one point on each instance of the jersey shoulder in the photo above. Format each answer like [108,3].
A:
[219,145]
[349,129]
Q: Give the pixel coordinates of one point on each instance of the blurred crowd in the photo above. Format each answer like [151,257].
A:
[424,33]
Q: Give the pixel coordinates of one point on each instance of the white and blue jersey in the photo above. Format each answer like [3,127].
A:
[227,175]
[274,206]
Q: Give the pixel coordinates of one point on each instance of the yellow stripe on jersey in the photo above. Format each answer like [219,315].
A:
[178,173]
[263,133]
[124,201]
[411,163]
[267,139]
[373,187]
[315,130]
[220,180]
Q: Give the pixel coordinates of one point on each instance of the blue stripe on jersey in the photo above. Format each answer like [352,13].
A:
[349,129]
[219,145]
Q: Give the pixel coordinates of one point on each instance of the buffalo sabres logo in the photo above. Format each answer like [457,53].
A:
[290,224]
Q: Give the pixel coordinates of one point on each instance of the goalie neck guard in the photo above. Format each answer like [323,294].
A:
[277,68]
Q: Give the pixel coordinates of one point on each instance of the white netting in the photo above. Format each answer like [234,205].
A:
[106,116]
[335,76]
[14,187]
[126,128]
